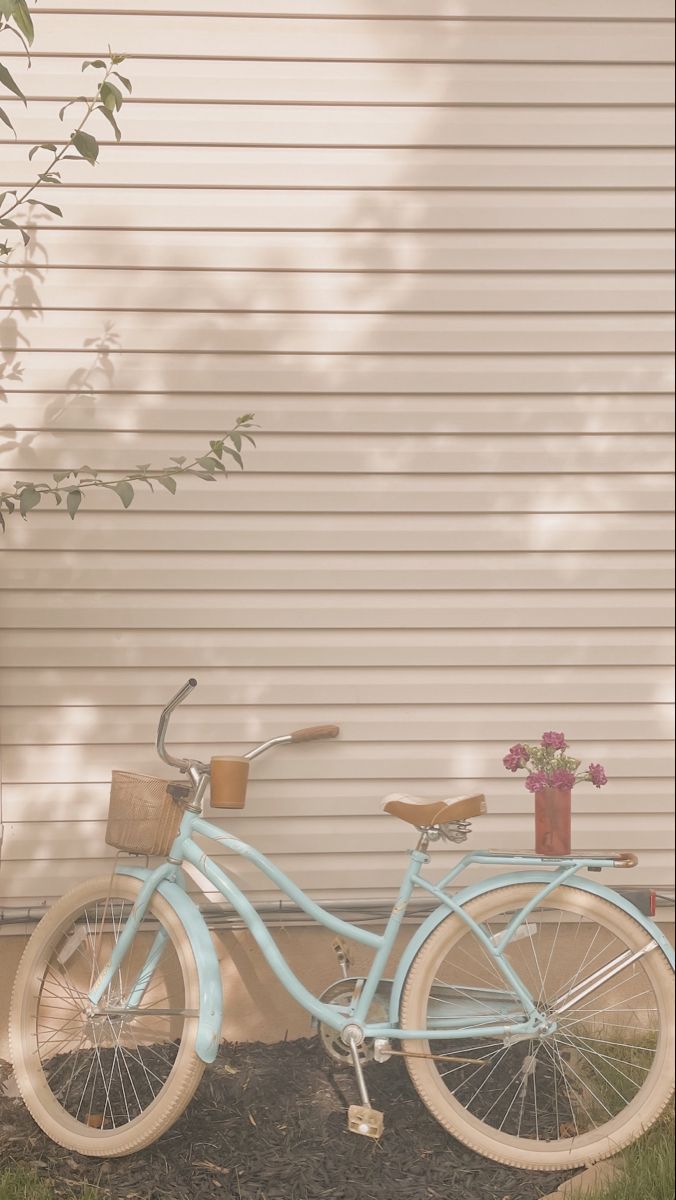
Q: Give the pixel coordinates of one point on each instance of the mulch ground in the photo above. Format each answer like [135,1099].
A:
[269,1123]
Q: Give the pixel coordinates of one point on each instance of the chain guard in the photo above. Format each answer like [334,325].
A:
[341,994]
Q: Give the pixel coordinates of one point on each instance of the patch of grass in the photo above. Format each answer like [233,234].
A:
[647,1167]
[19,1184]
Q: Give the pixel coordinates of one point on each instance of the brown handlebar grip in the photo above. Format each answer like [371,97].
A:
[315,732]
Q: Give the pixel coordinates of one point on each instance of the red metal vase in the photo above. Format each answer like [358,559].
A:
[552,822]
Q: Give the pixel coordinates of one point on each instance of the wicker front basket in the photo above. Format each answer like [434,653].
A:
[143,815]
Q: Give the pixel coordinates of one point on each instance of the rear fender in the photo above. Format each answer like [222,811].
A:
[490,885]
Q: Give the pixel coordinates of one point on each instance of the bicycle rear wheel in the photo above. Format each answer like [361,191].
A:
[579,1094]
[106,1082]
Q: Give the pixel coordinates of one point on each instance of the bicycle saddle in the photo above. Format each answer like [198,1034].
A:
[423,812]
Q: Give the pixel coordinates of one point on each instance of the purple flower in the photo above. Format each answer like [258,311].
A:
[597,774]
[536,781]
[517,756]
[554,741]
[562,779]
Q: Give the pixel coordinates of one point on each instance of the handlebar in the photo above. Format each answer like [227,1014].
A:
[312,733]
[181,763]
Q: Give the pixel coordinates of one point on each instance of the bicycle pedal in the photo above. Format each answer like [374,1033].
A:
[366,1121]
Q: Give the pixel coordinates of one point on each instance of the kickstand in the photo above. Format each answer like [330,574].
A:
[361,1118]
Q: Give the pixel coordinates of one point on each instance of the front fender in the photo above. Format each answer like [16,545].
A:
[210,988]
[490,885]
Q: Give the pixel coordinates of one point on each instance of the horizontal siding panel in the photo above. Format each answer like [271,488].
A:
[459,40]
[367,83]
[352,414]
[203,291]
[128,169]
[276,532]
[289,837]
[360,648]
[488,251]
[309,333]
[245,374]
[322,874]
[554,685]
[339,760]
[607,10]
[406,209]
[216,726]
[471,125]
[280,798]
[444,454]
[139,609]
[561,414]
[373,493]
[338,571]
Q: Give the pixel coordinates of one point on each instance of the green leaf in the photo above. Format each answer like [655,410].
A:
[59,476]
[52,208]
[111,96]
[58,497]
[10,83]
[42,146]
[29,498]
[86,145]
[123,80]
[111,119]
[116,59]
[167,482]
[77,100]
[217,448]
[180,460]
[22,19]
[98,63]
[7,224]
[205,475]
[125,491]
[5,120]
[73,502]
[236,440]
[234,454]
[210,464]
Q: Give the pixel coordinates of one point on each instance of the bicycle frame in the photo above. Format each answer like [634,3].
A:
[522,1017]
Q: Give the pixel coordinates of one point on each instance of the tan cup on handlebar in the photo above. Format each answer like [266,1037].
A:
[229,777]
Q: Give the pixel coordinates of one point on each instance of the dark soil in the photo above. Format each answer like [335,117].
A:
[269,1123]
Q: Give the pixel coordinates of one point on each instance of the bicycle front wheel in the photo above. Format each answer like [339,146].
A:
[109,1081]
[567,1099]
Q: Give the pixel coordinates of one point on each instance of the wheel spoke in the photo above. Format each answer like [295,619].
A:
[98,1066]
[573,1080]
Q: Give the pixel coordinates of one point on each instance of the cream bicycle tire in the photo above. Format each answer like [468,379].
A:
[564,1152]
[185,1073]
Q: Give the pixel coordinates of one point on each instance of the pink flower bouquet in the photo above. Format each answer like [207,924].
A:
[548,766]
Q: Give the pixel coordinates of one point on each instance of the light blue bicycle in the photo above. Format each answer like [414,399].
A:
[534,1009]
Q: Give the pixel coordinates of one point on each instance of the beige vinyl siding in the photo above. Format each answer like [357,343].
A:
[429,245]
